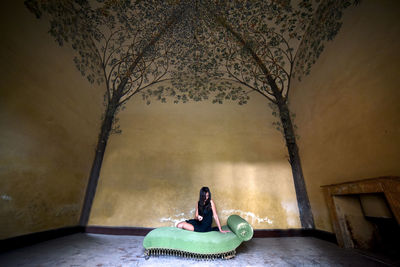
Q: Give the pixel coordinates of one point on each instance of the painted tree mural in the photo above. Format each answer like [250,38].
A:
[258,47]
[223,50]
[117,46]
[269,56]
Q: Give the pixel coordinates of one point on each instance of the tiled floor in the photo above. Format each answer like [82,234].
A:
[107,250]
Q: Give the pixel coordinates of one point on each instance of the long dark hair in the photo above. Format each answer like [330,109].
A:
[204,205]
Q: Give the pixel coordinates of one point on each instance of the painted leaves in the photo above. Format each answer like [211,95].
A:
[214,49]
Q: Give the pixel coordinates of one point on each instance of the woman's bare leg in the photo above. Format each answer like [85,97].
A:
[186,226]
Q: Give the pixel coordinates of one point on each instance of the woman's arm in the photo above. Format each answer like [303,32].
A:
[214,210]
[196,216]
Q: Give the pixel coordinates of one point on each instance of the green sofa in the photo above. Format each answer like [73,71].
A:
[208,245]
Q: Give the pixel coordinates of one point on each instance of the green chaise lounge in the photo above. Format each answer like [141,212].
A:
[208,245]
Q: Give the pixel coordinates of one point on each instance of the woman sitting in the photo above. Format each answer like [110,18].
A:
[205,211]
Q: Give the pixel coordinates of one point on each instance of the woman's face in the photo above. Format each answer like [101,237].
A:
[207,196]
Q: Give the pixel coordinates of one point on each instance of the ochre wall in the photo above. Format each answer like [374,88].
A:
[347,113]
[153,171]
[348,110]
[49,123]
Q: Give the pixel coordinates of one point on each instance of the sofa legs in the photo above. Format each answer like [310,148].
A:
[197,256]
[230,255]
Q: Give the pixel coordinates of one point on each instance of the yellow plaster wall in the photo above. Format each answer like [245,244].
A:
[153,171]
[348,110]
[49,122]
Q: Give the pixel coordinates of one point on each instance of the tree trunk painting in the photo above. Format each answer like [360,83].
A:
[303,202]
[97,163]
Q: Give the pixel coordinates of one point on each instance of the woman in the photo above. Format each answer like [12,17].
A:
[205,211]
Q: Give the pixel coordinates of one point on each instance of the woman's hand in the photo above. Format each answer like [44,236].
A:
[224,232]
[200,218]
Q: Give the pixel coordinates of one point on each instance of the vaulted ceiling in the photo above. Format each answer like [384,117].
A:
[201,46]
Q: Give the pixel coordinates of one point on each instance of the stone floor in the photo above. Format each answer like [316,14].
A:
[108,250]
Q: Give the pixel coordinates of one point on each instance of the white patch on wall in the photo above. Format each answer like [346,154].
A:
[290,207]
[174,221]
[247,215]
[292,222]
[292,212]
[179,215]
[177,218]
[6,197]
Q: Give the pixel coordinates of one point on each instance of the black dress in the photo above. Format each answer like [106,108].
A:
[203,225]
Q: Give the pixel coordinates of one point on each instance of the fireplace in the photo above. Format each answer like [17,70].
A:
[365,215]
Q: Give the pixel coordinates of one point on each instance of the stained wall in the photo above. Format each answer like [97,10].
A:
[153,171]
[49,122]
[348,111]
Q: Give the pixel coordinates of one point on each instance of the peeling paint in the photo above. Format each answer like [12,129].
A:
[174,221]
[6,197]
[247,214]
[177,218]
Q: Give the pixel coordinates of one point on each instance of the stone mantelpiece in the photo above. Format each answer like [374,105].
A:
[388,186]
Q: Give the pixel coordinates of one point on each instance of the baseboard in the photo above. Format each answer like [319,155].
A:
[112,230]
[34,238]
[327,236]
[265,233]
[31,239]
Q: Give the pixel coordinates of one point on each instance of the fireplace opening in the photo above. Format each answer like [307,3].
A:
[369,226]
[385,240]
[386,237]
[366,216]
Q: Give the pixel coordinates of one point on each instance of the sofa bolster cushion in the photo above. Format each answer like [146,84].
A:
[240,227]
